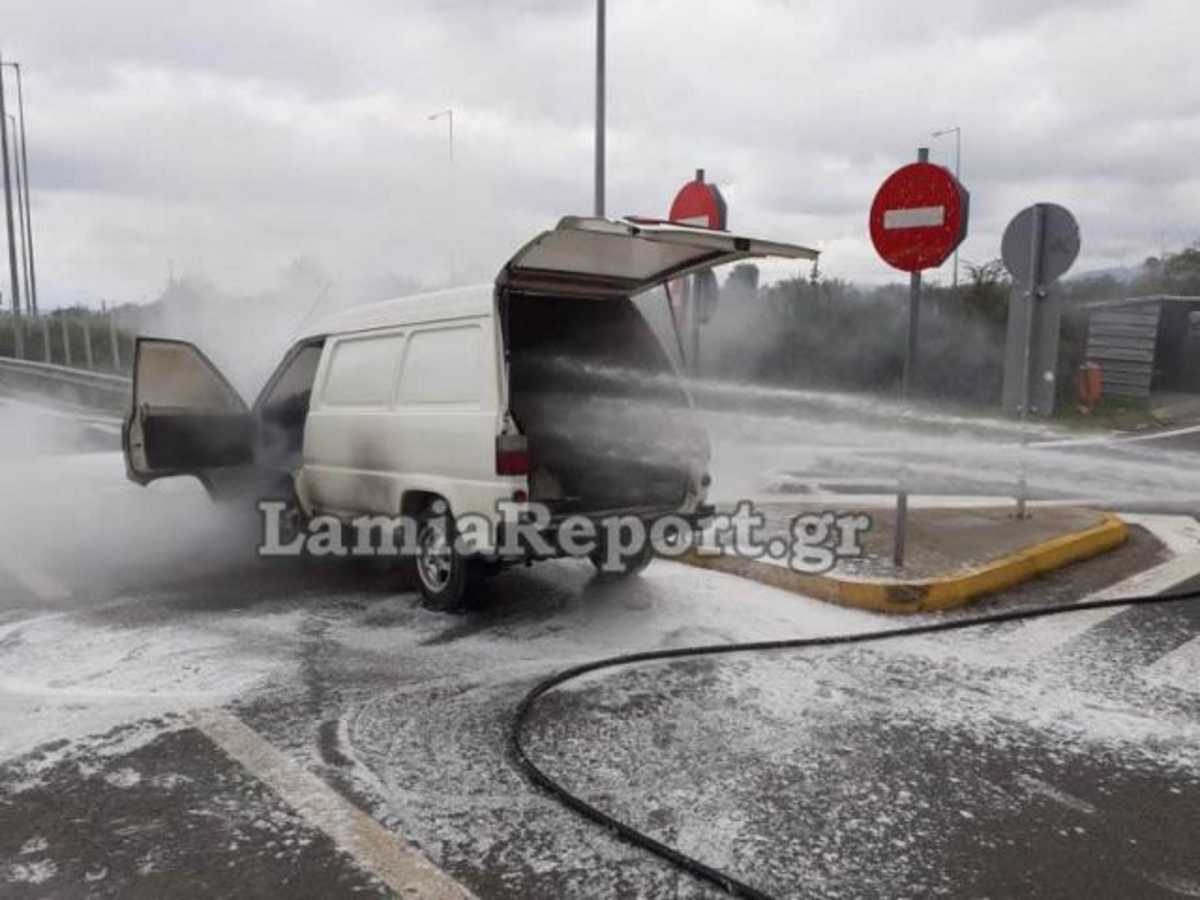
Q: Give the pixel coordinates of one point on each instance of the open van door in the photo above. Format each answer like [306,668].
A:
[622,257]
[186,418]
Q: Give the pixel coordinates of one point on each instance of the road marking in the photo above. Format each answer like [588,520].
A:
[386,855]
[1117,438]
[43,586]
[1180,668]
[1180,534]
[1050,792]
[915,217]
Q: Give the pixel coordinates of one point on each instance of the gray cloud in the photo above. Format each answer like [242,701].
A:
[230,139]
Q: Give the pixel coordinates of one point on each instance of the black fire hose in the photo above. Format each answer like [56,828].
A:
[692,866]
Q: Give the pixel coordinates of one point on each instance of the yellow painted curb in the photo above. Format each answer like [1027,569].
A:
[923,595]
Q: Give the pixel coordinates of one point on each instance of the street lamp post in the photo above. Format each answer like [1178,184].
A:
[957,132]
[599,177]
[18,334]
[448,114]
[31,275]
[21,218]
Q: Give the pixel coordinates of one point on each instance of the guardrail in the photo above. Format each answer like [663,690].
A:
[79,386]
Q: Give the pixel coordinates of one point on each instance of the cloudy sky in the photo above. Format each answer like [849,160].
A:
[228,139]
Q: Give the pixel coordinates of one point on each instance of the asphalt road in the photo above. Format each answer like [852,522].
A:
[1050,758]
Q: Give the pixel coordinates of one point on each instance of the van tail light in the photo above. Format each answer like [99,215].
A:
[512,454]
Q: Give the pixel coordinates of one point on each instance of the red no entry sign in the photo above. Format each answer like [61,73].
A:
[918,217]
[698,203]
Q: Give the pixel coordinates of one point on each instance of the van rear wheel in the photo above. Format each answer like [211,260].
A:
[444,576]
[627,564]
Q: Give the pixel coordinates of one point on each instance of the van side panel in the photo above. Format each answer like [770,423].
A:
[412,408]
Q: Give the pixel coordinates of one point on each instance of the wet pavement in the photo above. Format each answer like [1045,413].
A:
[1044,758]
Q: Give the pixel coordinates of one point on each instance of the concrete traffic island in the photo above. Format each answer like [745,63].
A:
[954,555]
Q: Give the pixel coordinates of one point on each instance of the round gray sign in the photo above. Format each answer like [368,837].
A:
[1059,244]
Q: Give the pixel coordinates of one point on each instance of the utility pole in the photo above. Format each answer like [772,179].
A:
[18,333]
[599,186]
[31,279]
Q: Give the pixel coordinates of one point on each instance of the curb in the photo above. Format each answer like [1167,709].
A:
[928,594]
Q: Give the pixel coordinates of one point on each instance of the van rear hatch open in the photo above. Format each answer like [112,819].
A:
[619,258]
[608,422]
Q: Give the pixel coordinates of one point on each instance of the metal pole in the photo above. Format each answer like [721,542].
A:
[910,363]
[695,327]
[21,225]
[914,326]
[1035,277]
[901,526]
[32,278]
[685,313]
[910,366]
[8,218]
[599,186]
[453,198]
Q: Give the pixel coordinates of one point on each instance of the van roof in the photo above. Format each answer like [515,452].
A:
[452,303]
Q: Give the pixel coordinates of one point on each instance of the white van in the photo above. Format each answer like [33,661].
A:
[546,387]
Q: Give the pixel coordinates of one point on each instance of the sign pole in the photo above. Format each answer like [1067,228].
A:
[910,365]
[1031,300]
[702,205]
[917,219]
[914,327]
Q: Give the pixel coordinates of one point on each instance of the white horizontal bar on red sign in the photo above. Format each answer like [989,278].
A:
[916,217]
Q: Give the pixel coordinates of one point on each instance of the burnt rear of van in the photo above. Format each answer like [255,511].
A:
[608,424]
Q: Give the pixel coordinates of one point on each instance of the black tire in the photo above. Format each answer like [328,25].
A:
[628,563]
[444,576]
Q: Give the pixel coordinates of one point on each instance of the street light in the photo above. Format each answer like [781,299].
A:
[598,204]
[31,274]
[449,116]
[10,228]
[16,158]
[957,132]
